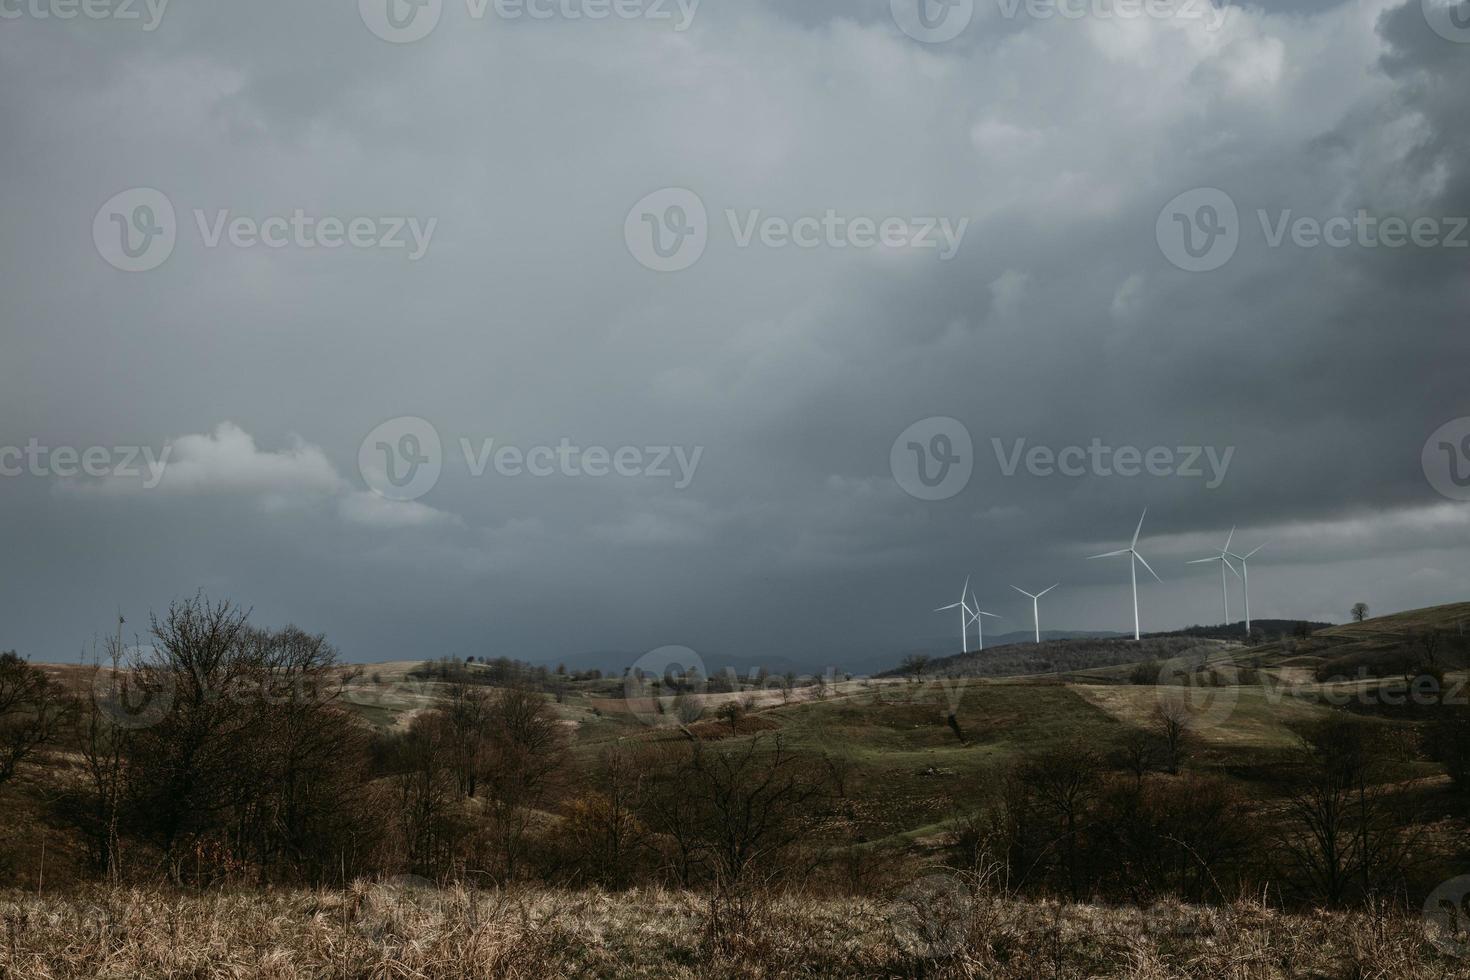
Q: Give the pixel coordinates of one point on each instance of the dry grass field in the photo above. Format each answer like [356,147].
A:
[400,931]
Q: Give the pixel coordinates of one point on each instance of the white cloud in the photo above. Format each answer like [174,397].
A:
[228,461]
[367,508]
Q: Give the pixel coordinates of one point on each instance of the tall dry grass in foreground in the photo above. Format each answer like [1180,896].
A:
[376,931]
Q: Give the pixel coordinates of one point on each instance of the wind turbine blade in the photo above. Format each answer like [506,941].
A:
[1230,538]
[1230,566]
[1253,552]
[1040,594]
[1203,561]
[1139,529]
[1023,592]
[991,615]
[1146,565]
[966,589]
[952,605]
[1111,554]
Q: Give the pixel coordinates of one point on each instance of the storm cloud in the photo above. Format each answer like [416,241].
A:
[820,141]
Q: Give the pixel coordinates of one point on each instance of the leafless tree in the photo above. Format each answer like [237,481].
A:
[914,665]
[731,712]
[1063,782]
[525,752]
[1346,839]
[687,708]
[603,825]
[1138,753]
[32,710]
[1173,727]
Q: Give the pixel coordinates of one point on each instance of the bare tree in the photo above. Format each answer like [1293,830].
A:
[667,808]
[467,723]
[731,712]
[525,751]
[914,665]
[1345,838]
[603,825]
[1360,611]
[687,708]
[1138,753]
[1062,784]
[757,803]
[32,710]
[1173,727]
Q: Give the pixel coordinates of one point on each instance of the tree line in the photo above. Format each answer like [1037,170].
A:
[224,752]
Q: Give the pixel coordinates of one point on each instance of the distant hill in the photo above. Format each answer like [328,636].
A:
[1058,656]
[1271,629]
[1381,647]
[612,663]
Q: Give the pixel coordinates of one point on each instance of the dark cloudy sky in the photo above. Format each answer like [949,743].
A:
[529,319]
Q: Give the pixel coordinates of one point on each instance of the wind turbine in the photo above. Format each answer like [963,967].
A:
[1133,559]
[1245,580]
[964,615]
[976,613]
[1035,606]
[1224,559]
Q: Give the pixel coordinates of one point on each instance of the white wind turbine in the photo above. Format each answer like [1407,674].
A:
[964,609]
[1133,559]
[1035,606]
[1224,559]
[976,613]
[1245,583]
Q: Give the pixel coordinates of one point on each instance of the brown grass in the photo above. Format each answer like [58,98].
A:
[390,931]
